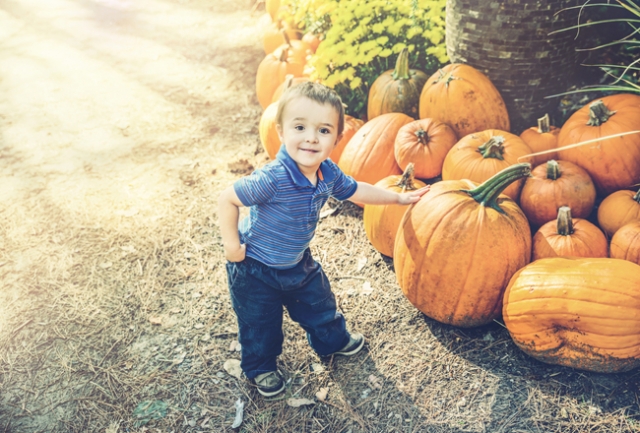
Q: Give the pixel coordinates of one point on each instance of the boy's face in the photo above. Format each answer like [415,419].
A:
[309,132]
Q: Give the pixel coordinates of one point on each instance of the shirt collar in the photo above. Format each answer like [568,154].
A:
[294,171]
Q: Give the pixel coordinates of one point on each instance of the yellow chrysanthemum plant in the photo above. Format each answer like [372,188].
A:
[361,40]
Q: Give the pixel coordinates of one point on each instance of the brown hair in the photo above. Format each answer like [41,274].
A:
[316,92]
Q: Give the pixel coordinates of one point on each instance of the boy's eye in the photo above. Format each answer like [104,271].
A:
[299,128]
[325,131]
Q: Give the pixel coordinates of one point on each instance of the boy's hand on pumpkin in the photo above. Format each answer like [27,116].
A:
[413,196]
[236,254]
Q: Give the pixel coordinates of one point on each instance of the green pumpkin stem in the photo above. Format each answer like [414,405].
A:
[598,113]
[406,181]
[553,169]
[493,148]
[422,136]
[487,193]
[401,72]
[543,124]
[564,222]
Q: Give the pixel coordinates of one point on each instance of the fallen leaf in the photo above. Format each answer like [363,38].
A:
[232,366]
[322,394]
[106,265]
[175,310]
[317,367]
[375,381]
[366,288]
[328,211]
[297,402]
[239,409]
[362,261]
[155,320]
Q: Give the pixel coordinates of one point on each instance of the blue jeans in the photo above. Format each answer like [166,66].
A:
[258,293]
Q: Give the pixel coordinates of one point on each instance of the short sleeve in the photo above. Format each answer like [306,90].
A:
[259,187]
[344,186]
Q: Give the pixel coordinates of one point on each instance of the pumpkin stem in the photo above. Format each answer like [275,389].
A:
[487,192]
[406,181]
[287,40]
[564,222]
[422,136]
[401,72]
[283,54]
[493,148]
[447,77]
[543,124]
[637,196]
[553,169]
[598,113]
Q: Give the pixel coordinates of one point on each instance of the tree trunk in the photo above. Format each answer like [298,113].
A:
[509,41]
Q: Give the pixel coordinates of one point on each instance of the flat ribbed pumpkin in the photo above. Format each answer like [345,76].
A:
[273,70]
[424,143]
[555,184]
[397,90]
[569,237]
[368,156]
[480,155]
[541,138]
[617,209]
[625,243]
[465,99]
[351,126]
[614,163]
[381,221]
[577,312]
[457,248]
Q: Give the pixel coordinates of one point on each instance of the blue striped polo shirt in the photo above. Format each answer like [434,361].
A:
[285,208]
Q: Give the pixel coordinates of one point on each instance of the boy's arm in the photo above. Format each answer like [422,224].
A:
[371,194]
[228,214]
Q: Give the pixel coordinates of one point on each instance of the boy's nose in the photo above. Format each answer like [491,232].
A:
[312,138]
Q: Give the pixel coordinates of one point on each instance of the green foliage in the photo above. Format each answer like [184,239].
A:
[363,39]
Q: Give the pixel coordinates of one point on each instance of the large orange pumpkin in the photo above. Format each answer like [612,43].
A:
[465,99]
[577,312]
[368,156]
[617,209]
[614,163]
[625,243]
[555,184]
[457,248]
[267,126]
[397,90]
[541,138]
[480,155]
[569,237]
[424,143]
[381,221]
[351,126]
[273,70]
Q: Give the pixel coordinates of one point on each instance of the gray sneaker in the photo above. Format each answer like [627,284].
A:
[269,384]
[355,344]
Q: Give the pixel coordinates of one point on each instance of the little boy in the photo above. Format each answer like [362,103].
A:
[269,262]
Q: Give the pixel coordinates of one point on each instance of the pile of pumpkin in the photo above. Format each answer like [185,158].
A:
[495,236]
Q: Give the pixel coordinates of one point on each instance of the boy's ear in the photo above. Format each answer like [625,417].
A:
[279,131]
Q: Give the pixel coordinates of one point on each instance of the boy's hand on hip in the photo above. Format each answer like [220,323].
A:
[413,196]
[236,254]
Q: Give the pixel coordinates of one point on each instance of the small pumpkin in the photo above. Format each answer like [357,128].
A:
[351,126]
[569,237]
[274,68]
[381,221]
[614,163]
[480,155]
[465,99]
[368,156]
[397,90]
[282,87]
[617,209]
[541,138]
[274,36]
[272,7]
[555,184]
[425,143]
[625,243]
[312,40]
[457,248]
[577,312]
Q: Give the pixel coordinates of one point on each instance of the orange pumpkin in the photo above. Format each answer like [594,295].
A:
[578,312]
[569,237]
[457,248]
[351,126]
[397,90]
[625,243]
[541,138]
[312,40]
[381,221]
[281,88]
[267,126]
[425,143]
[465,99]
[480,155]
[273,70]
[368,156]
[272,7]
[617,209]
[555,184]
[614,163]
[274,36]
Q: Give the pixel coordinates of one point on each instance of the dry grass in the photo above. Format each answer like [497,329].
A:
[109,301]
